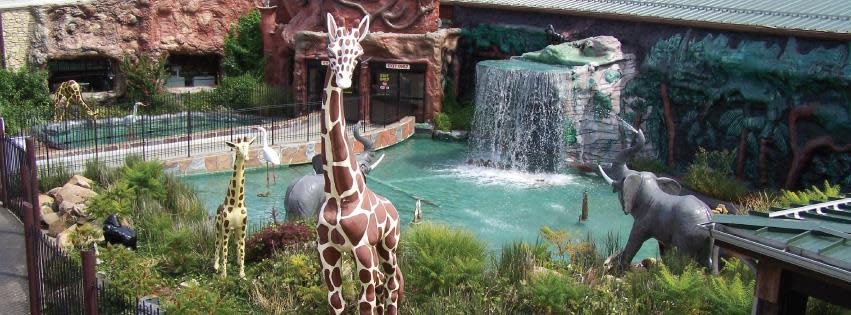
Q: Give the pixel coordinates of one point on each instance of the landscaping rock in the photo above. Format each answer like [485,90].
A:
[648,262]
[81,181]
[66,207]
[74,194]
[64,238]
[57,227]
[424,128]
[45,200]
[50,219]
[455,135]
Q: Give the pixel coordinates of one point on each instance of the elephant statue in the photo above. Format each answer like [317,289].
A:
[659,211]
[305,195]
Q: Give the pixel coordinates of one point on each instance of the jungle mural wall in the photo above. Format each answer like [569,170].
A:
[780,101]
[784,112]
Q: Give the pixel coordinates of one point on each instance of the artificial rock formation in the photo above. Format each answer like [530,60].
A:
[115,28]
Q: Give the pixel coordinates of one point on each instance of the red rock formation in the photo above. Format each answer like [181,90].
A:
[114,28]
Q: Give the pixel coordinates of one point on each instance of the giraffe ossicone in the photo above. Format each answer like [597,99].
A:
[232,214]
[353,218]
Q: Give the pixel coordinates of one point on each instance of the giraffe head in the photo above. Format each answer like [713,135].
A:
[241,146]
[344,49]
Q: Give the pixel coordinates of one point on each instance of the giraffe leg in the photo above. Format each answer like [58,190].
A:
[366,257]
[331,261]
[392,288]
[227,231]
[240,248]
[220,235]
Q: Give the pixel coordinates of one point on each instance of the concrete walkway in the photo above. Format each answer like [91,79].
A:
[13,268]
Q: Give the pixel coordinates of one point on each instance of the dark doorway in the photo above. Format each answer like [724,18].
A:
[316,89]
[92,73]
[398,90]
[192,70]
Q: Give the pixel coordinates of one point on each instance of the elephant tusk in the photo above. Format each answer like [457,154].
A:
[374,165]
[605,177]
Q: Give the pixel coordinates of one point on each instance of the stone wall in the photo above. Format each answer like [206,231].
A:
[291,154]
[17,27]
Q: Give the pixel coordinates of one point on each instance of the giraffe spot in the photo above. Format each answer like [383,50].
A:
[364,275]
[359,177]
[322,230]
[380,214]
[364,255]
[391,238]
[337,238]
[244,221]
[231,202]
[227,222]
[336,279]
[327,185]
[334,108]
[243,211]
[372,230]
[370,292]
[330,211]
[355,227]
[343,178]
[330,256]
[335,301]
[383,253]
[391,309]
[388,268]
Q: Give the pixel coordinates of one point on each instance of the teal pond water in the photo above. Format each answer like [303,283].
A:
[499,206]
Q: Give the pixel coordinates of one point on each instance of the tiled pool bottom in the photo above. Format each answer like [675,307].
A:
[499,206]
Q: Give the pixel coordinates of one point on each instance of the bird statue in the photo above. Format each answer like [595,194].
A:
[130,121]
[269,155]
[418,215]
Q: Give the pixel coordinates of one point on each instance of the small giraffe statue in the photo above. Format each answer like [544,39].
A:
[353,218]
[69,91]
[232,216]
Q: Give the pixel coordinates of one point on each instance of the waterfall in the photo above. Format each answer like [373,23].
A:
[519,119]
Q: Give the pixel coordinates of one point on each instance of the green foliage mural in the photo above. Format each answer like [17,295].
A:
[782,110]
[510,41]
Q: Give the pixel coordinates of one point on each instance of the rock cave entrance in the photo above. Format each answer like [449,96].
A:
[186,70]
[94,74]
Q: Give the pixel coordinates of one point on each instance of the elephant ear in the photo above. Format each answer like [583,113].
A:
[669,185]
[629,191]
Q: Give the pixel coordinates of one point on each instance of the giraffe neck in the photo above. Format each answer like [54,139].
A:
[236,190]
[341,169]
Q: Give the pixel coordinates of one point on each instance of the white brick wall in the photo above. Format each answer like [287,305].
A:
[17,27]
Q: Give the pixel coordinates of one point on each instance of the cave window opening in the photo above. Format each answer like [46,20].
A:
[94,74]
[192,70]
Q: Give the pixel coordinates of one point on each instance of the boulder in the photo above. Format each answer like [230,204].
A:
[50,219]
[74,194]
[57,227]
[66,207]
[45,200]
[64,238]
[81,181]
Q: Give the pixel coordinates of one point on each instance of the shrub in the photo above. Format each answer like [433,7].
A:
[130,273]
[553,293]
[196,299]
[118,199]
[243,47]
[442,122]
[790,198]
[683,293]
[100,173]
[239,91]
[291,282]
[712,174]
[460,113]
[266,242]
[758,201]
[732,292]
[518,260]
[24,98]
[438,259]
[49,178]
[144,75]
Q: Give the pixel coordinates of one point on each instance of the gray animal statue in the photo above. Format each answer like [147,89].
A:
[659,211]
[305,195]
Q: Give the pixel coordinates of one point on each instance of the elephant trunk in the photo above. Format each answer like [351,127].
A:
[367,157]
[619,169]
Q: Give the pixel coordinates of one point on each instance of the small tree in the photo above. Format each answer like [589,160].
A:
[145,75]
[244,47]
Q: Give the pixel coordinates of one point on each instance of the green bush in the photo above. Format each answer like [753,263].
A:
[292,282]
[442,122]
[100,173]
[197,299]
[438,259]
[130,273]
[711,174]
[237,92]
[145,75]
[243,47]
[553,293]
[791,198]
[460,113]
[56,176]
[517,260]
[24,98]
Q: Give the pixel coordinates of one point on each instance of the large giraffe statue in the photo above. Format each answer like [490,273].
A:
[232,216]
[353,218]
[69,91]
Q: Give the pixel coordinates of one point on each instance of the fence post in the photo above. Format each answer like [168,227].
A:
[4,177]
[90,282]
[33,176]
[189,124]
[31,231]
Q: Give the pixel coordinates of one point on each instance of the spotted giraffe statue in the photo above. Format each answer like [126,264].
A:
[353,218]
[69,91]
[232,216]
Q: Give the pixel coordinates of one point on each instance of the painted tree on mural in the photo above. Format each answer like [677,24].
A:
[785,113]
